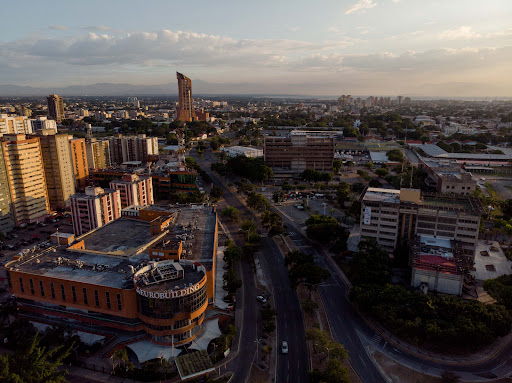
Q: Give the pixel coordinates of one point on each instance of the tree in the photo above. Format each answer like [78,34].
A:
[231,281]
[371,264]
[34,364]
[322,228]
[257,201]
[216,193]
[121,357]
[336,166]
[395,155]
[382,172]
[309,306]
[375,183]
[230,213]
[248,226]
[278,196]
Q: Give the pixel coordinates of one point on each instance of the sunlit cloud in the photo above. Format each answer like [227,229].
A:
[361,6]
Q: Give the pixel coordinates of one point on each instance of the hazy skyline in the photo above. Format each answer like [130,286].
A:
[435,48]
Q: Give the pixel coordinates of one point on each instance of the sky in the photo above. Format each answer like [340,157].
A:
[444,48]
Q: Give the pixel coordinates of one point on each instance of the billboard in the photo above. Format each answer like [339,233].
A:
[367,215]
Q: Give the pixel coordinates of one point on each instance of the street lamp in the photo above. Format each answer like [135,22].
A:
[324,205]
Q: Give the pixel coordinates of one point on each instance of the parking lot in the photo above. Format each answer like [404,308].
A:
[33,234]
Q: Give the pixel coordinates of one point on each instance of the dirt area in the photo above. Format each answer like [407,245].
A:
[258,376]
[401,374]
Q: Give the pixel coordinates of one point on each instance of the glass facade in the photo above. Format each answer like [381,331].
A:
[167,308]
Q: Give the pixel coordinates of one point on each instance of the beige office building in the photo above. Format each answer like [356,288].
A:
[397,216]
[26,178]
[98,153]
[58,168]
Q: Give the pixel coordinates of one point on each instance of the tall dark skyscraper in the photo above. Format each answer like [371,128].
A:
[55,107]
[185,111]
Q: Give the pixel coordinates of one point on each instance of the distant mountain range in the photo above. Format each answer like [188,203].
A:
[100,89]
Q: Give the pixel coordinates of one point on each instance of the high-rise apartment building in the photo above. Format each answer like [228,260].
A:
[55,107]
[185,111]
[58,168]
[42,122]
[79,162]
[132,148]
[98,153]
[299,151]
[26,178]
[94,208]
[14,125]
[6,215]
[135,190]
[397,216]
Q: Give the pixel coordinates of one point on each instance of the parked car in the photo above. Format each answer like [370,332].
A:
[284,347]
[261,299]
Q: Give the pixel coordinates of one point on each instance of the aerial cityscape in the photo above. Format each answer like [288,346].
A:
[289,193]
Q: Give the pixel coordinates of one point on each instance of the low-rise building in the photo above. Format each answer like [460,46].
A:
[233,151]
[447,176]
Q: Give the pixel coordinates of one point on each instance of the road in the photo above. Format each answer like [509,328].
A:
[293,366]
[346,324]
[356,335]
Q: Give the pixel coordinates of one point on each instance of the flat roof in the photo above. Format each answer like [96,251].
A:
[382,195]
[111,249]
[96,269]
[122,236]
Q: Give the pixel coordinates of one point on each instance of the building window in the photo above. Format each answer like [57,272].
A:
[21,285]
[32,291]
[41,287]
[84,290]
[107,296]
[52,288]
[96,298]
[73,292]
[62,292]
[119,307]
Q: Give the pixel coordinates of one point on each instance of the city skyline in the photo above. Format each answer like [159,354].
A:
[392,47]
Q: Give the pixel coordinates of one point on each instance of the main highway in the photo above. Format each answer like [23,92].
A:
[291,367]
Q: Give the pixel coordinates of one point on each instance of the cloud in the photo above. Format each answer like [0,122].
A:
[461,33]
[292,28]
[96,28]
[58,27]
[327,66]
[361,6]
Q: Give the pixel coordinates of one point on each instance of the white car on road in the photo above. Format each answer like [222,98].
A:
[284,347]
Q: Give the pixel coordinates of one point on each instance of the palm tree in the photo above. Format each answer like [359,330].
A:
[121,356]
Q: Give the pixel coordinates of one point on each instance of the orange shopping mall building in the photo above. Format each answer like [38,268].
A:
[153,274]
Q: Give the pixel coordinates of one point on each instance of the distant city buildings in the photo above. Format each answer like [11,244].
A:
[132,148]
[56,107]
